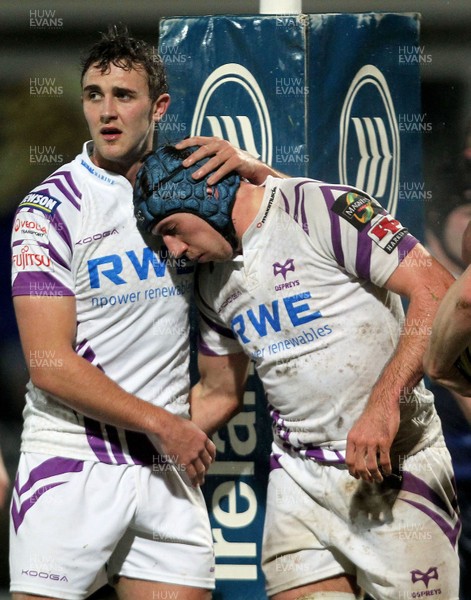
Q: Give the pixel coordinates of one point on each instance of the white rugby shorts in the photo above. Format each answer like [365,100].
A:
[397,538]
[77,524]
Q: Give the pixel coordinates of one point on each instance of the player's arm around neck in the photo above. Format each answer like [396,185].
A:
[423,282]
[47,327]
[218,395]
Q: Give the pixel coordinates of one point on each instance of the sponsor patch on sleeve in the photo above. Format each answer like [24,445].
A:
[31,257]
[356,208]
[387,232]
[30,226]
[43,202]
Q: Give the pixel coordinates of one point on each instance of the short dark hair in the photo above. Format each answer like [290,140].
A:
[117,47]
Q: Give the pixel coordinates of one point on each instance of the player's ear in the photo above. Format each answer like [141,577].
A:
[160,106]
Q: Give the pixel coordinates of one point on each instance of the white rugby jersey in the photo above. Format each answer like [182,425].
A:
[305,302]
[75,235]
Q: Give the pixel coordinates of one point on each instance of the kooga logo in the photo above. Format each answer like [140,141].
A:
[250,128]
[369,149]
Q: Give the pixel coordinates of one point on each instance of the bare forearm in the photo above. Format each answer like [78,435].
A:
[370,439]
[424,282]
[425,287]
[218,396]
[210,412]
[84,388]
[405,369]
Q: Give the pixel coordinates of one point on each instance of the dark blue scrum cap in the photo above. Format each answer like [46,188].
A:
[164,187]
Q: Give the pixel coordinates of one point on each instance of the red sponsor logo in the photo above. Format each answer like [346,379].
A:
[386,226]
[29,224]
[31,258]
[387,233]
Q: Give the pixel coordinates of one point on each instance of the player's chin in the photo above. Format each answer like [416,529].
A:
[110,153]
[221,257]
[203,258]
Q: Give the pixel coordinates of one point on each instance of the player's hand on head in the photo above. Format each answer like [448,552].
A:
[368,445]
[224,158]
[186,445]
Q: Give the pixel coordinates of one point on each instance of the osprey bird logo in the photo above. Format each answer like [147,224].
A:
[283,269]
[417,575]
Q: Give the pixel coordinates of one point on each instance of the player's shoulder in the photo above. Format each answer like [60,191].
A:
[308,195]
[60,189]
[320,207]
[323,189]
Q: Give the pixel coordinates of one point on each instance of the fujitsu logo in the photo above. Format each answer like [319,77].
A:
[283,269]
[418,575]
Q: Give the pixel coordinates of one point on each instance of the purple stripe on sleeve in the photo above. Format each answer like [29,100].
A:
[334,222]
[57,222]
[61,228]
[224,331]
[68,177]
[297,197]
[19,515]
[50,192]
[406,245]
[35,243]
[285,200]
[363,257]
[299,206]
[299,212]
[37,283]
[304,222]
[56,180]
